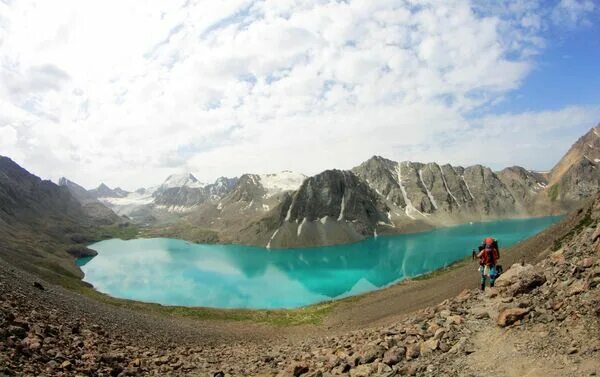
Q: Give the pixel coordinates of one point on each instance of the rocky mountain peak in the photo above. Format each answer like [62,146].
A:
[103,191]
[180,180]
[577,174]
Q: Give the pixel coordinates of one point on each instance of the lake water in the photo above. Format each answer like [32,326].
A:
[176,272]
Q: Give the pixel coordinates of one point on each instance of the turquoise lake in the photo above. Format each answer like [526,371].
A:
[176,272]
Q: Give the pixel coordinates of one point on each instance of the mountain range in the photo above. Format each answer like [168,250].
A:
[377,197]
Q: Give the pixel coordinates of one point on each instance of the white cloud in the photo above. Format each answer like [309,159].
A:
[573,12]
[129,92]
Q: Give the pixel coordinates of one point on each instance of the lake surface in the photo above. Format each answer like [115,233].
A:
[176,272]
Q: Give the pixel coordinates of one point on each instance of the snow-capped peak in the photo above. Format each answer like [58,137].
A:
[181,180]
[284,181]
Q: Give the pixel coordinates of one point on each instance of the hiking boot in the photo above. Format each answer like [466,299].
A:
[483,287]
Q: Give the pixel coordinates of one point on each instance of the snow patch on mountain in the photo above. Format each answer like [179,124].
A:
[181,180]
[280,182]
[431,198]
[446,186]
[410,210]
[134,198]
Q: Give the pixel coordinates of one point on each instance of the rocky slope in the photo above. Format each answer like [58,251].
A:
[40,221]
[541,319]
[91,205]
[576,175]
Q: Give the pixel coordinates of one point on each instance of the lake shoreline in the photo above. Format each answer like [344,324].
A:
[398,258]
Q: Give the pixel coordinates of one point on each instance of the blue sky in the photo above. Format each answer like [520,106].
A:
[248,86]
[567,72]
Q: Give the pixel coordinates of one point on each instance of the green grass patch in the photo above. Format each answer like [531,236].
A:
[309,315]
[123,231]
[183,231]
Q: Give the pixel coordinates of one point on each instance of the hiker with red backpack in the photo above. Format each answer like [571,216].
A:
[488,258]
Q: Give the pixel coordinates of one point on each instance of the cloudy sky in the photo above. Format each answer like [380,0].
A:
[127,92]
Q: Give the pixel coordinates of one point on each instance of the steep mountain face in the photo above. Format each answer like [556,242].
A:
[524,185]
[25,197]
[37,220]
[238,215]
[576,176]
[91,206]
[417,191]
[332,207]
[187,197]
[76,190]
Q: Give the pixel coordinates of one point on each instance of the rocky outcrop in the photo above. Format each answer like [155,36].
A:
[332,207]
[180,198]
[577,175]
[524,185]
[80,251]
[419,190]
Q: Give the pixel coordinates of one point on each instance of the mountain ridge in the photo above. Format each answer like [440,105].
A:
[380,196]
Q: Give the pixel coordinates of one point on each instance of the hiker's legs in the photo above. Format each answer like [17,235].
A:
[493,275]
[483,282]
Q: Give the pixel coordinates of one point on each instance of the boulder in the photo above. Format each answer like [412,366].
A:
[38,285]
[462,346]
[17,331]
[527,282]
[412,351]
[80,251]
[587,263]
[429,346]
[509,316]
[299,369]
[578,287]
[394,355]
[361,371]
[455,319]
[510,276]
[370,353]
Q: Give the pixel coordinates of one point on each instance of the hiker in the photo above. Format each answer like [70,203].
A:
[488,258]
[473,254]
